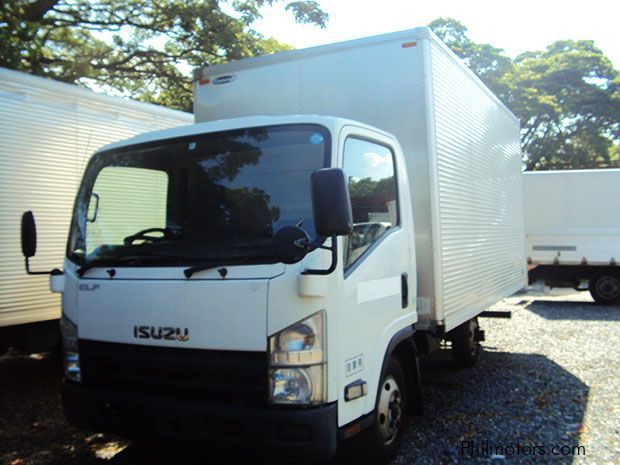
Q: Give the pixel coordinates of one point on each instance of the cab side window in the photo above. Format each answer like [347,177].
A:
[369,168]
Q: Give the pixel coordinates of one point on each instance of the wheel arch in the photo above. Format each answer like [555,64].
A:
[403,348]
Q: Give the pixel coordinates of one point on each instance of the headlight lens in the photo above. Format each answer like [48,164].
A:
[70,353]
[297,362]
[299,337]
[297,385]
[300,343]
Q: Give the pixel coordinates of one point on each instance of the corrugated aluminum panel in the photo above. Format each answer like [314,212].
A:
[48,130]
[476,185]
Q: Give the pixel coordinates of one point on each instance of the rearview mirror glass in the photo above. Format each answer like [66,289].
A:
[93,208]
[289,244]
[331,204]
[29,235]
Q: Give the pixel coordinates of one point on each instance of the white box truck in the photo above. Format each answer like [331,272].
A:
[572,226]
[48,130]
[270,281]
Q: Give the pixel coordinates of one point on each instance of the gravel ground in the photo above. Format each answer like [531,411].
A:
[548,377]
[547,383]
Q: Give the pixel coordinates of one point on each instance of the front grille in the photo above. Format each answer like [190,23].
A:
[214,375]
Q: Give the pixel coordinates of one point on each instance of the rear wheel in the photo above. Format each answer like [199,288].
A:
[465,346]
[605,287]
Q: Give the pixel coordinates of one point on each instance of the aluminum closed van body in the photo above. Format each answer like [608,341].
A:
[334,214]
[461,147]
[48,130]
[573,230]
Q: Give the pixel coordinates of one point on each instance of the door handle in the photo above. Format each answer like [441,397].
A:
[404,289]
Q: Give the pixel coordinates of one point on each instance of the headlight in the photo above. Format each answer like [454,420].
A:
[297,362]
[70,353]
[297,385]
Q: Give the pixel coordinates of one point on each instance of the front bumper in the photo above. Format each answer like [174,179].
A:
[286,435]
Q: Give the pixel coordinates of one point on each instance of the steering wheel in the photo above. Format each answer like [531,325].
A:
[143,235]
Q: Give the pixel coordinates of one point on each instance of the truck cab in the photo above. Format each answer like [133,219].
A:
[210,292]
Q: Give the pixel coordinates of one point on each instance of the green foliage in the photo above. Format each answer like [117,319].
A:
[142,48]
[488,62]
[368,195]
[367,187]
[567,97]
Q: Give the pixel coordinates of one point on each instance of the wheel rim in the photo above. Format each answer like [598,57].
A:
[608,287]
[390,410]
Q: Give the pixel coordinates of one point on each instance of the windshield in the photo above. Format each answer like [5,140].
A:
[206,198]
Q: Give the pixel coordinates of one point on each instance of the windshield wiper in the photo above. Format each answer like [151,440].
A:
[189,272]
[123,259]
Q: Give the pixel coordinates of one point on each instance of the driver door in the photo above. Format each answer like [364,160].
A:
[376,261]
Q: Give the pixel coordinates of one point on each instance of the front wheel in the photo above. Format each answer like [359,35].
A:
[379,443]
[605,287]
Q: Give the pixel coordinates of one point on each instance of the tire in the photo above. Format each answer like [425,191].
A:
[379,443]
[605,287]
[465,348]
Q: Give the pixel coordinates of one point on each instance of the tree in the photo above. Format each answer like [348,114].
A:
[145,49]
[567,97]
[369,195]
[486,61]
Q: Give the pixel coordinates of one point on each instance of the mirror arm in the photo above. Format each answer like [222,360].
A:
[54,272]
[319,245]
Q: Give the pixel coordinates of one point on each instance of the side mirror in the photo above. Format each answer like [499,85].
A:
[29,242]
[331,204]
[29,235]
[93,208]
[290,244]
[331,207]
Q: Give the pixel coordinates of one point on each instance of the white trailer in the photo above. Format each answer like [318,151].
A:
[48,130]
[292,269]
[573,230]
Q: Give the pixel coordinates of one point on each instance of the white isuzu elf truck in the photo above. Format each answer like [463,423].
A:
[270,281]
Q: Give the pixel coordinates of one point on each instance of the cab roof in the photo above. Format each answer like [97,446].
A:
[332,123]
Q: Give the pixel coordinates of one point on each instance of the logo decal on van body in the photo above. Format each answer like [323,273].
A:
[224,79]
